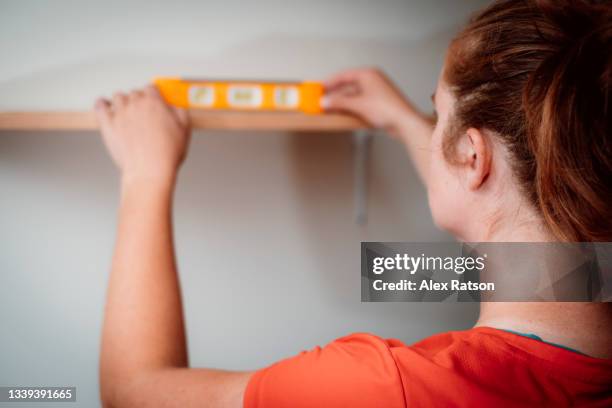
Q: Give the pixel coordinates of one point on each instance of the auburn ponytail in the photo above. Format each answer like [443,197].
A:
[539,75]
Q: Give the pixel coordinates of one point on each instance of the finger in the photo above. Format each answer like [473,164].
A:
[183,116]
[345,77]
[137,94]
[119,100]
[151,90]
[336,101]
[104,114]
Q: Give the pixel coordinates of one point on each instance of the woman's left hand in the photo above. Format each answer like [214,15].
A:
[146,138]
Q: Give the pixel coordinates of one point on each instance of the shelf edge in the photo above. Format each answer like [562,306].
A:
[201,120]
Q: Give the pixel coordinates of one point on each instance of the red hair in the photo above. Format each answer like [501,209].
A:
[538,74]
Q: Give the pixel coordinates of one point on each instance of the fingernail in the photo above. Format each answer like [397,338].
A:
[324,102]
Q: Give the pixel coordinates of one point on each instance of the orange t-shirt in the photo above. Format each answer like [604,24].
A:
[478,367]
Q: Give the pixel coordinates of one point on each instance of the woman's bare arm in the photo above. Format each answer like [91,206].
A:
[144,354]
[370,94]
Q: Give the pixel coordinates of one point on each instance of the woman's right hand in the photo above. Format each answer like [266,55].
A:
[369,94]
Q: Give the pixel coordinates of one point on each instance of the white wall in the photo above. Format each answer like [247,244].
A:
[267,246]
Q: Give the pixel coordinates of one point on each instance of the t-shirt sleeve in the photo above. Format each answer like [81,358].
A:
[354,371]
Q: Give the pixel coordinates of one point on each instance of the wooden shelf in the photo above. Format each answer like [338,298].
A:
[208,120]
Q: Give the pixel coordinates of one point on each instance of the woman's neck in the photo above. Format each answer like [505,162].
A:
[521,224]
[586,327]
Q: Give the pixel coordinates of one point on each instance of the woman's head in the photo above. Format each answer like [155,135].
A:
[525,108]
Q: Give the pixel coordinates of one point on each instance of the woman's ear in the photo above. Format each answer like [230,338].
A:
[476,154]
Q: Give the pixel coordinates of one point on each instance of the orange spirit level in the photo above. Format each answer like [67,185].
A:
[242,94]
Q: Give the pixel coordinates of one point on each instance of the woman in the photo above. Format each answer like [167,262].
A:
[520,151]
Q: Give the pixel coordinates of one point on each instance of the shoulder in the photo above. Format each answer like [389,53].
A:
[358,370]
